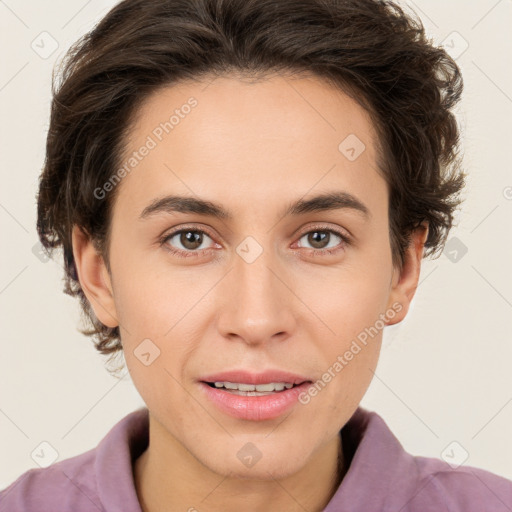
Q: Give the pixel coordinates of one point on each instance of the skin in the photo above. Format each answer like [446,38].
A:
[252,148]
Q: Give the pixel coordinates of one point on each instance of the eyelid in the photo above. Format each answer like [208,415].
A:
[163,239]
[344,234]
[199,228]
[338,230]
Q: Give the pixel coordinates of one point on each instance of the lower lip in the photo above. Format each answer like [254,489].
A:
[255,408]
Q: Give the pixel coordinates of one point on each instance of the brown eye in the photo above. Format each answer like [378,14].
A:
[186,241]
[318,239]
[322,240]
[191,239]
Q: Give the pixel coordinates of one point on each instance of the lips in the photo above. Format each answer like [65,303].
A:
[248,377]
[248,407]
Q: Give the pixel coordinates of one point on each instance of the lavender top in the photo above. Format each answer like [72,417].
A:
[381,476]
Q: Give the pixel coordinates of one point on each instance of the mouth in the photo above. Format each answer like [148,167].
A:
[246,377]
[243,389]
[254,396]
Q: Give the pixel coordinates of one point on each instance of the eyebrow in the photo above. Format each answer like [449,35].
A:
[319,203]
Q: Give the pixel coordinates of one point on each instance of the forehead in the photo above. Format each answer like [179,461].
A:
[308,108]
[228,137]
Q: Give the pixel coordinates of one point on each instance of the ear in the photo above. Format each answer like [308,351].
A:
[405,281]
[94,278]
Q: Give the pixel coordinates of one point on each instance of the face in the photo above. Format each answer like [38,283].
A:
[282,281]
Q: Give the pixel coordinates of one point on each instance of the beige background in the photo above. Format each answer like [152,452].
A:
[445,372]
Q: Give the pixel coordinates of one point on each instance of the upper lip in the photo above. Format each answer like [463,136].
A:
[249,377]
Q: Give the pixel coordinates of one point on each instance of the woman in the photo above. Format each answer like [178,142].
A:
[244,191]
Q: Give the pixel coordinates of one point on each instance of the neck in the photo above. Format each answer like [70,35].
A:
[168,477]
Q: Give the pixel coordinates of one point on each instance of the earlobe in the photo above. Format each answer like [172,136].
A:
[94,278]
[405,280]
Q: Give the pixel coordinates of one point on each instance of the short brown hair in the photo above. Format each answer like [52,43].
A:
[370,49]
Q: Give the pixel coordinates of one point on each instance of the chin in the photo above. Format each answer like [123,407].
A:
[249,463]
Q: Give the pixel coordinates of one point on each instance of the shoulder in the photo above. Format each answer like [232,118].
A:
[66,485]
[97,480]
[461,489]
[383,476]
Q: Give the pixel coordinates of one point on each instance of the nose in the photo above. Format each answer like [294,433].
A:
[257,301]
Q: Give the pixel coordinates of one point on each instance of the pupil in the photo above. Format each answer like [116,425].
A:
[191,239]
[317,234]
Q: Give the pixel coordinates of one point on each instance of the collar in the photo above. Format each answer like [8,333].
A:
[379,472]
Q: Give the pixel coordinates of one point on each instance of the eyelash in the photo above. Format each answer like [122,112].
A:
[321,252]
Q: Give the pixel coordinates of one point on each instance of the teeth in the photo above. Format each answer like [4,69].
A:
[272,386]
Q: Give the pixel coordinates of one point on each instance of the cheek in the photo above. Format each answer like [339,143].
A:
[348,299]
[159,312]
[149,299]
[350,356]
[351,306]
[160,384]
